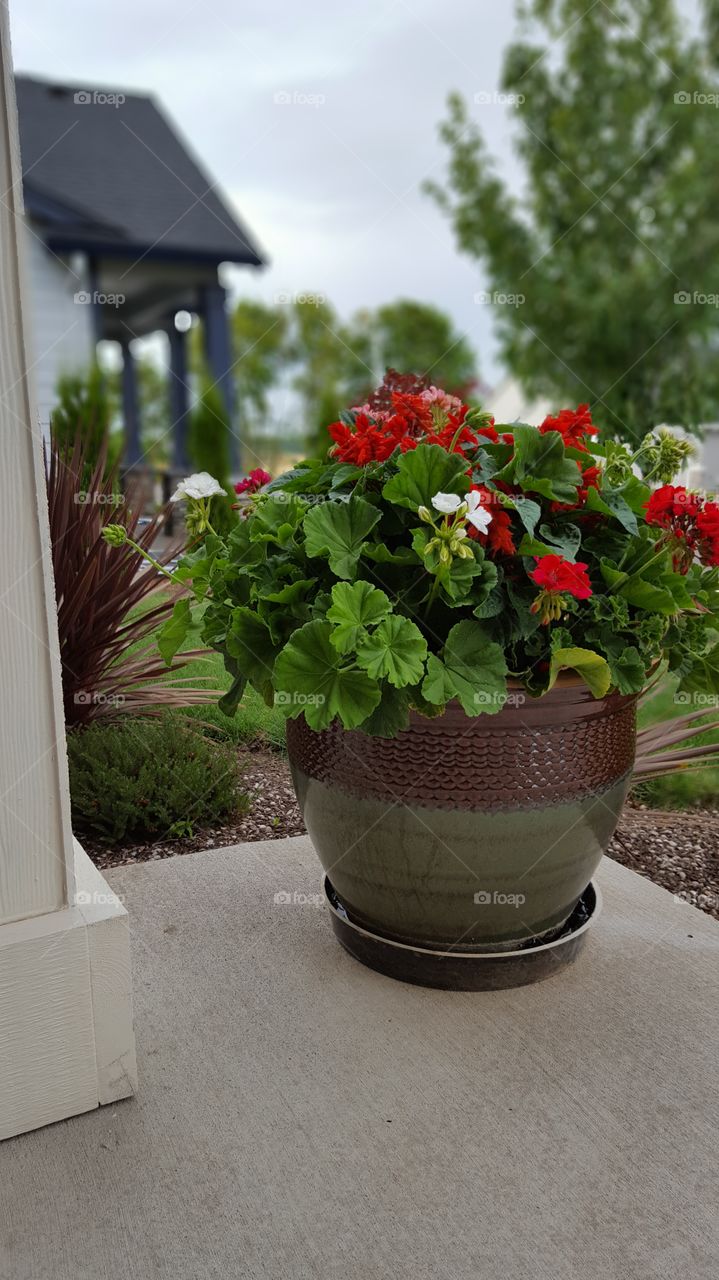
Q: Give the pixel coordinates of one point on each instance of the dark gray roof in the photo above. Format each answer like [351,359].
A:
[119,179]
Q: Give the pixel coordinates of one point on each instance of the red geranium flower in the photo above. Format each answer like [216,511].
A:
[367,441]
[691,522]
[254,481]
[555,573]
[573,425]
[558,577]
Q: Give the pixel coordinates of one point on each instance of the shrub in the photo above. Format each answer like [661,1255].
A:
[150,778]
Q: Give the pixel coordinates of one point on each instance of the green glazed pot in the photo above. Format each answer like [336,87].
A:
[468,832]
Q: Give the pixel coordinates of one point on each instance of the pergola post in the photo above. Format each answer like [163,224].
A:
[66,1040]
[179,399]
[130,408]
[218,352]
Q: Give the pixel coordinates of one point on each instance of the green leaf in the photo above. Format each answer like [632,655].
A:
[391,716]
[292,593]
[639,592]
[230,701]
[354,608]
[540,465]
[250,643]
[381,554]
[593,669]
[309,679]
[396,650]
[338,530]
[628,671]
[273,513]
[564,539]
[422,473]
[528,511]
[472,669]
[611,503]
[174,631]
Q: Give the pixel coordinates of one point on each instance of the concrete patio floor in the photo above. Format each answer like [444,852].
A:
[302,1117]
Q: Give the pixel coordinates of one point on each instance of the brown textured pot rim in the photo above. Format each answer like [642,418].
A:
[564,703]
[479,954]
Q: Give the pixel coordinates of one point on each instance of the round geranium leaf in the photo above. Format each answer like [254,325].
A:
[424,472]
[397,650]
[338,531]
[311,678]
[355,606]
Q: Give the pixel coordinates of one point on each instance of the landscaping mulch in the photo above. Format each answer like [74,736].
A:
[679,851]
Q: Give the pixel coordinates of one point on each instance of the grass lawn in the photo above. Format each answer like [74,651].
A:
[682,789]
[253,721]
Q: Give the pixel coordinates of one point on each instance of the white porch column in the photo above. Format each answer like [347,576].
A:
[66,1041]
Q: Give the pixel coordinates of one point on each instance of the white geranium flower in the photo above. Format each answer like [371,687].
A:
[477,515]
[447,503]
[199,485]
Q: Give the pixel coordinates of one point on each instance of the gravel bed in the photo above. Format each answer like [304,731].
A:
[679,851]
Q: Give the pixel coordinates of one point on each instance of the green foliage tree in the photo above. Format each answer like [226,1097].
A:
[332,362]
[209,450]
[87,403]
[416,337]
[613,243]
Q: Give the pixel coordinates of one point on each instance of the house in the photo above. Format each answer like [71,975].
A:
[124,230]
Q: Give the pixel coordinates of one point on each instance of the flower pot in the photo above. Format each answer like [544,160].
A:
[468,833]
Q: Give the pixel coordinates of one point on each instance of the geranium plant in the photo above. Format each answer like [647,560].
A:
[435,555]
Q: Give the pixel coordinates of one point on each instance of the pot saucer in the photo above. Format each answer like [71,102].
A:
[466,970]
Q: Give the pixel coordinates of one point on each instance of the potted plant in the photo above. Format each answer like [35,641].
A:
[457,619]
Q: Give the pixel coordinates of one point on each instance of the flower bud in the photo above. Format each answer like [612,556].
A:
[115,534]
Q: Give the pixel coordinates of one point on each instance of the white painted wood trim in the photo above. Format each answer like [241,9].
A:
[36,854]
[66,1034]
[66,1037]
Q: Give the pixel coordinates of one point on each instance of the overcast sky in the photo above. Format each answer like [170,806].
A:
[329,181]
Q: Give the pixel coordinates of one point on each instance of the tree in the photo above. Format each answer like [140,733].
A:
[86,405]
[416,337]
[209,450]
[259,336]
[610,256]
[333,362]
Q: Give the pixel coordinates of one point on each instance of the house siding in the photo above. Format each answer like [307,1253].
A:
[61,330]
